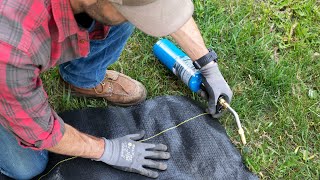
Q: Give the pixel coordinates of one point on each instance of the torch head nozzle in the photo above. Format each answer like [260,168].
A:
[223,103]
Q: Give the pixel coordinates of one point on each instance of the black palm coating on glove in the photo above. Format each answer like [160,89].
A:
[215,86]
[128,154]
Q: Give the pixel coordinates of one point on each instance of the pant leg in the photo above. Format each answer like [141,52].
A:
[90,71]
[18,162]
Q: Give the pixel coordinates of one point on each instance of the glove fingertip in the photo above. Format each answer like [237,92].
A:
[161,147]
[137,136]
[165,147]
[203,94]
[219,114]
[142,132]
[149,173]
[164,167]
[154,175]
[210,111]
[166,155]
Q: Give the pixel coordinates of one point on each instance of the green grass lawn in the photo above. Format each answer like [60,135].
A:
[269,54]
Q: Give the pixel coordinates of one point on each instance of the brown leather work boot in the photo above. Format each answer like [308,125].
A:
[116,88]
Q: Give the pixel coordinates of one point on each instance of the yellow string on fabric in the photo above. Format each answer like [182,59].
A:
[183,122]
[68,159]
[151,137]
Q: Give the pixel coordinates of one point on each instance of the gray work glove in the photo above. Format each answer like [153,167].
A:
[128,154]
[216,87]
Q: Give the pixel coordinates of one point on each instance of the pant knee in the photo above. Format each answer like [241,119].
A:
[29,173]
[26,171]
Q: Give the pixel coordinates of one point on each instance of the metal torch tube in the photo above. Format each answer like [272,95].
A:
[236,116]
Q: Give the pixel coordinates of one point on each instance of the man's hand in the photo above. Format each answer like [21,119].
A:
[215,86]
[128,154]
[191,41]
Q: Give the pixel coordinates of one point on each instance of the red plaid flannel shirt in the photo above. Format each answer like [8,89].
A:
[35,35]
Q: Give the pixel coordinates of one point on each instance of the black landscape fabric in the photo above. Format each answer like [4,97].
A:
[200,149]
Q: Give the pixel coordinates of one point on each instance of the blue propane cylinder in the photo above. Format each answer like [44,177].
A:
[179,63]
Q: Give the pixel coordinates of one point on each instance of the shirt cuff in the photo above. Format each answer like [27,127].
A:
[50,138]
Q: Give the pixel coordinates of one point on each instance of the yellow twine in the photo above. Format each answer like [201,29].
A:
[185,121]
[151,137]
[56,166]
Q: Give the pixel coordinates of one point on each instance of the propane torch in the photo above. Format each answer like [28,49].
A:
[181,65]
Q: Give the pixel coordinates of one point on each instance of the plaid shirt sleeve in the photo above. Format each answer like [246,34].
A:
[24,108]
[35,36]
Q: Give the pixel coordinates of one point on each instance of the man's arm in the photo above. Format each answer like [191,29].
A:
[115,151]
[76,143]
[191,41]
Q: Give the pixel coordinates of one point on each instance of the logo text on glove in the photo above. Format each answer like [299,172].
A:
[127,151]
